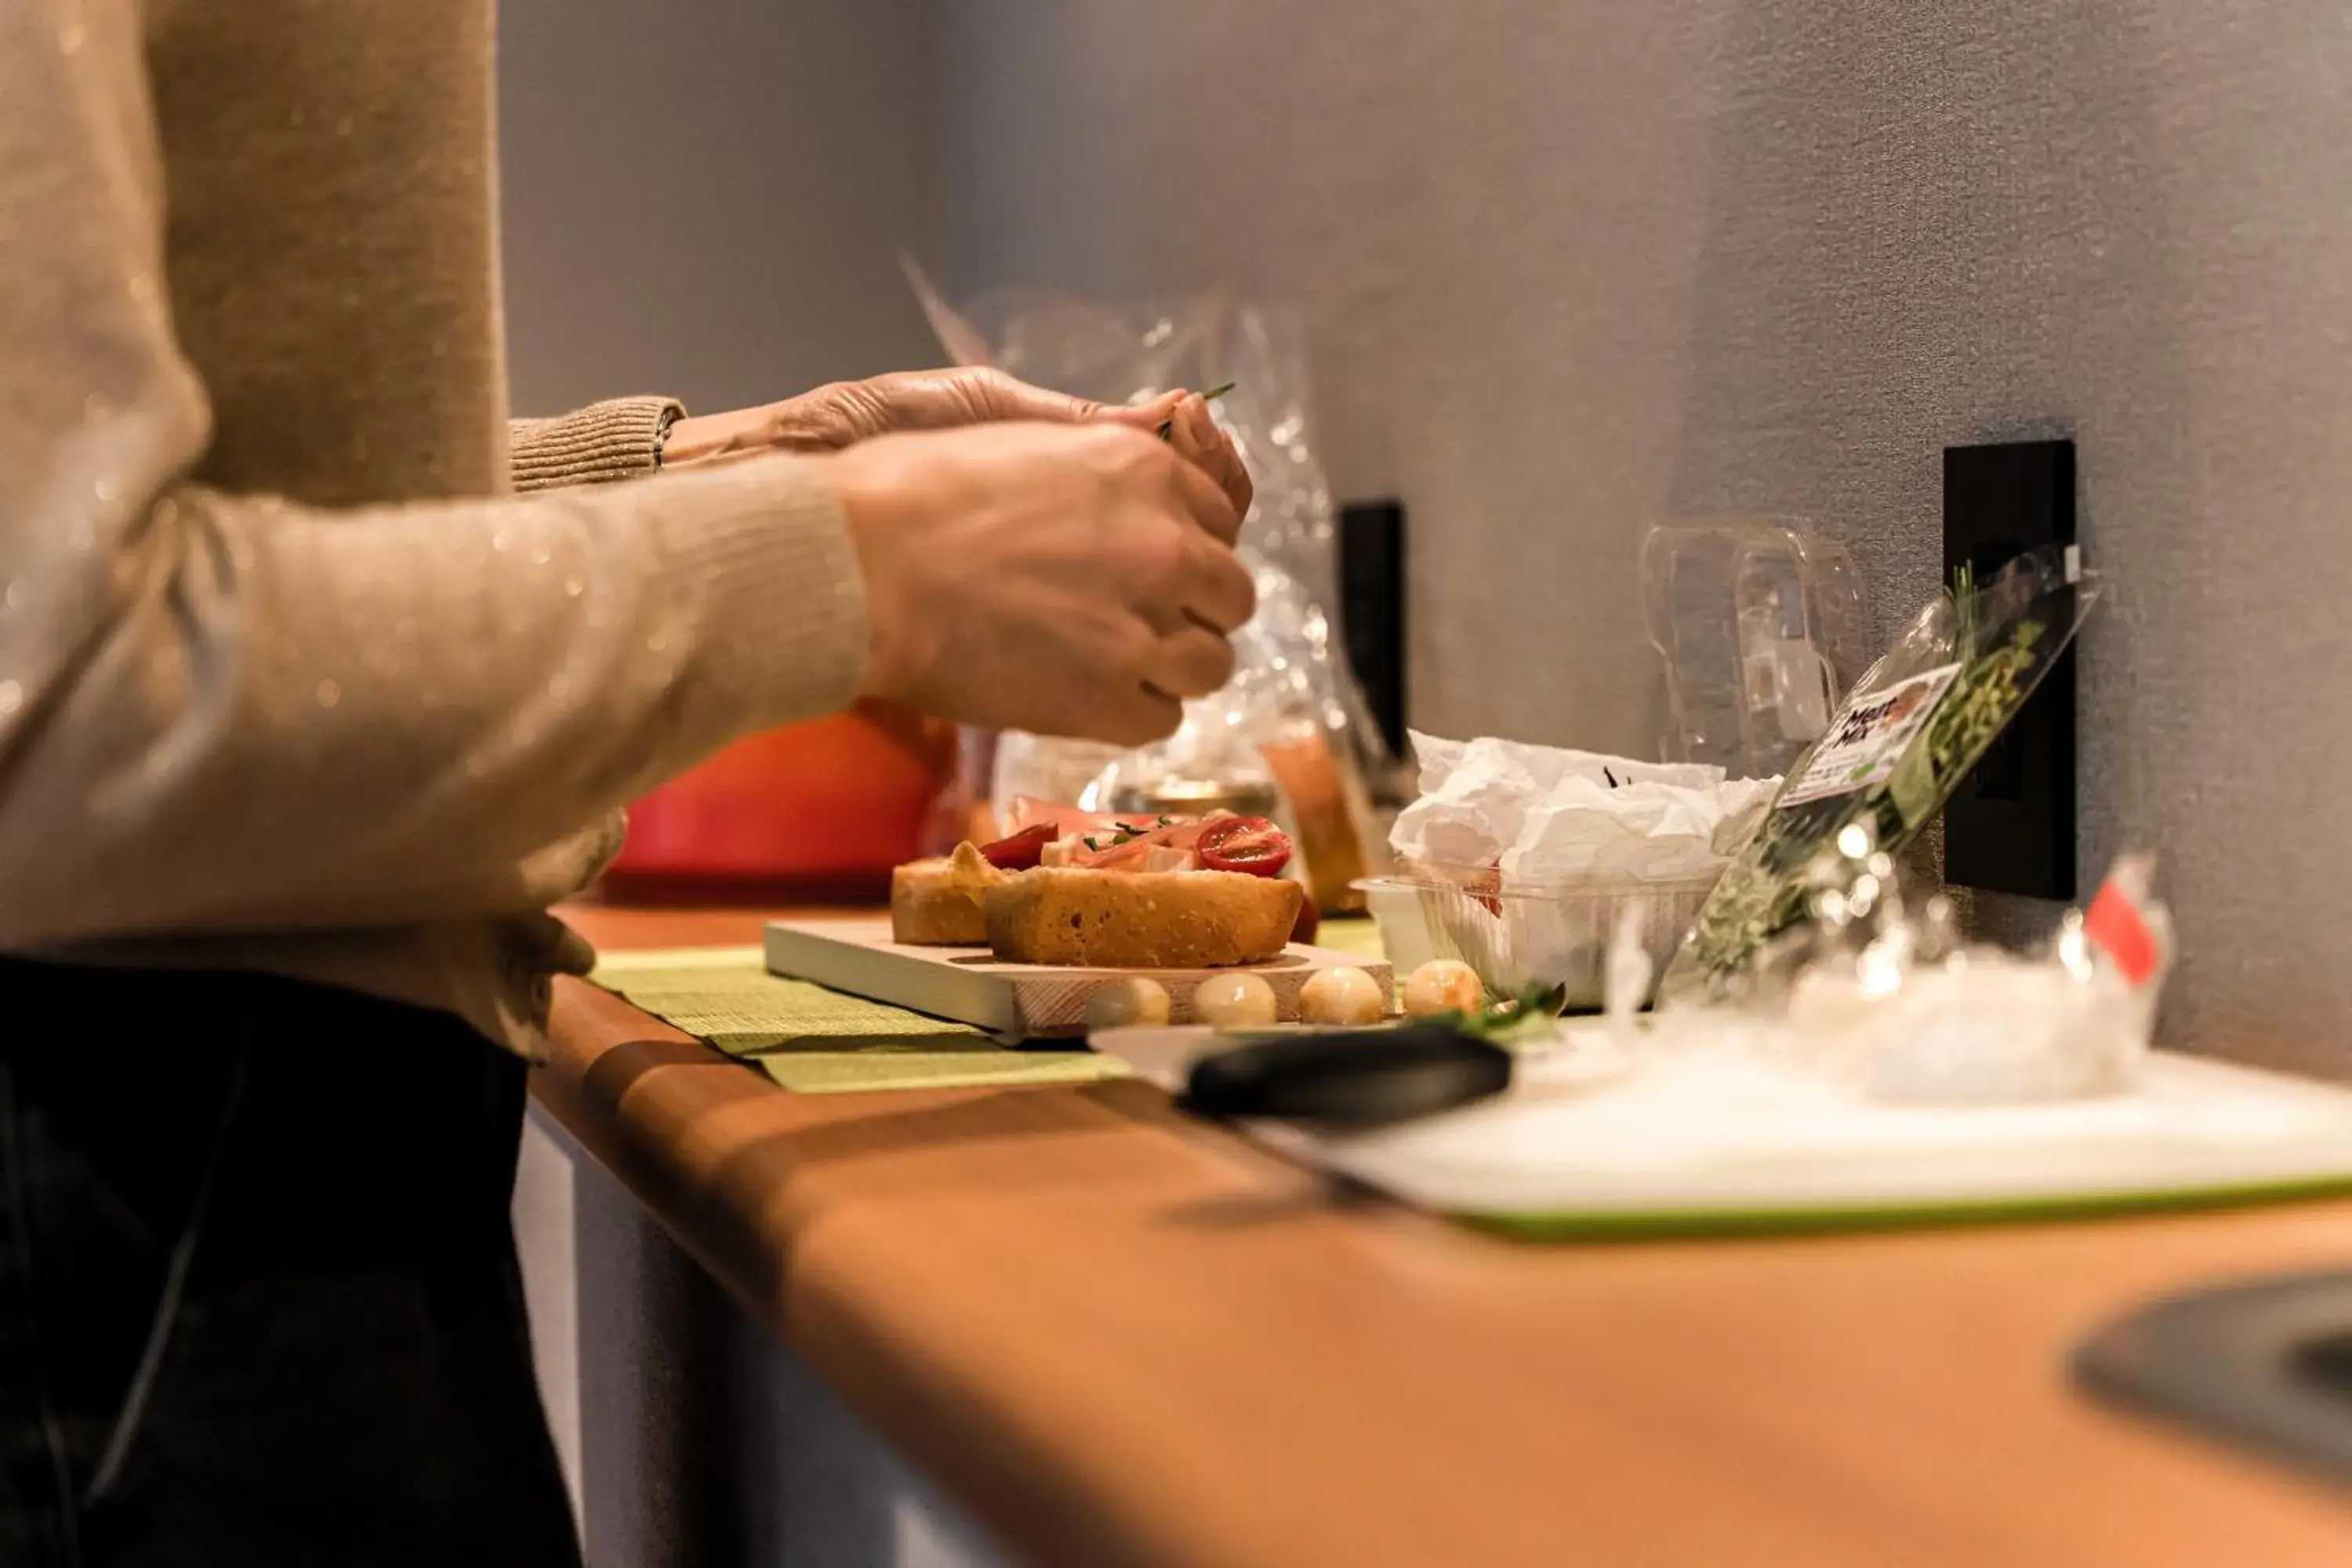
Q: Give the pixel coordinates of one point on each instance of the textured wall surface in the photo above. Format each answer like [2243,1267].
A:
[708,200]
[1571,267]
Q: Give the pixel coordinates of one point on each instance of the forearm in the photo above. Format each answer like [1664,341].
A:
[700,439]
[286,719]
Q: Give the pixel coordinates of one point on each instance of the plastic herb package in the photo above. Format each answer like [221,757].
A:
[1898,748]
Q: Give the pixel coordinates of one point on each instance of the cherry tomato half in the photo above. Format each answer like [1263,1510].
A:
[1488,890]
[1250,844]
[1022,850]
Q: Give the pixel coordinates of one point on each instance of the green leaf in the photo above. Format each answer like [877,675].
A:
[1168,426]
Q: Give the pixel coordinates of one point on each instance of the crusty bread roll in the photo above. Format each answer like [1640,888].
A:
[937,903]
[1140,920]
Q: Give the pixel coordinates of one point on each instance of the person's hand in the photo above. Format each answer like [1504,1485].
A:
[1066,580]
[833,418]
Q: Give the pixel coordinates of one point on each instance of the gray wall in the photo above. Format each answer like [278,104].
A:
[1574,265]
[708,200]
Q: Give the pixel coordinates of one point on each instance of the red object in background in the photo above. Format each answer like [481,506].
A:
[2114,925]
[813,812]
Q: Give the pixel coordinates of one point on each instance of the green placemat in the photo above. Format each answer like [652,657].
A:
[813,1040]
[1357,934]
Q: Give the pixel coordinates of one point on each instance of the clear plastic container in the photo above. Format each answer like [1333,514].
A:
[1517,937]
[1763,627]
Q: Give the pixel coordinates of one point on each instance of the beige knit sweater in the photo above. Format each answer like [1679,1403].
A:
[287,681]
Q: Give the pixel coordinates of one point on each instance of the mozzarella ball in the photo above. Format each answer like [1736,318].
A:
[1234,1001]
[1442,985]
[1341,996]
[1132,1003]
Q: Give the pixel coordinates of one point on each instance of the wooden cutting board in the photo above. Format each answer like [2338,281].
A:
[1016,1001]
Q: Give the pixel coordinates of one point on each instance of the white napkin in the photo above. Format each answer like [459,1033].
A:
[1556,817]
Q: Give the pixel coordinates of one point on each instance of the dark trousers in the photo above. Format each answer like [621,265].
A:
[259,1296]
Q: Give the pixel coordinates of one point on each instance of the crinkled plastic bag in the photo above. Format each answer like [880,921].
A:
[1293,714]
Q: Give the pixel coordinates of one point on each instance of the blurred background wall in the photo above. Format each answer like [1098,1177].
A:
[709,200]
[1573,268]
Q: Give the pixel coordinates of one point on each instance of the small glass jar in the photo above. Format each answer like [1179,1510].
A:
[1197,797]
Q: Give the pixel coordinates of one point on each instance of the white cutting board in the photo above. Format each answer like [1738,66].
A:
[1696,1147]
[1016,1001]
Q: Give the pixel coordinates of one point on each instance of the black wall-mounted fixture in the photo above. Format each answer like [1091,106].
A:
[1371,608]
[2011,828]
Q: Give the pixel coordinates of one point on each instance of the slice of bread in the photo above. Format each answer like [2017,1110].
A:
[1140,920]
[937,903]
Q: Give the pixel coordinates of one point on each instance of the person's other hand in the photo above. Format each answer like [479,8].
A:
[846,413]
[1067,580]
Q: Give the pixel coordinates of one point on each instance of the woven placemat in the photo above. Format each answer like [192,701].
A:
[813,1040]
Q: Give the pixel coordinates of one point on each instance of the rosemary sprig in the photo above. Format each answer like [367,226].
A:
[1168,425]
[1501,1020]
[1123,831]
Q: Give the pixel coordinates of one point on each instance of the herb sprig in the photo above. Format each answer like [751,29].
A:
[1504,1020]
[1168,425]
[1126,831]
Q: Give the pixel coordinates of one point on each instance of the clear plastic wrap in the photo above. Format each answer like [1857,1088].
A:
[1875,995]
[1882,994]
[1293,717]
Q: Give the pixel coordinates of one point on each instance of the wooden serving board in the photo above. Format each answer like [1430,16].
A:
[1016,1001]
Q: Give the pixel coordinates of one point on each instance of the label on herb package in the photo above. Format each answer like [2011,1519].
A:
[1868,737]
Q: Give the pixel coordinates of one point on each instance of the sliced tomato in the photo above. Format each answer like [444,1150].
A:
[1020,850]
[1250,844]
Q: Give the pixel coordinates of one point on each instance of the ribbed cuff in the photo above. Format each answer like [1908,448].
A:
[620,439]
[780,604]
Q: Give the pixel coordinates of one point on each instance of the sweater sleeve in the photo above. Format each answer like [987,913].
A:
[220,711]
[620,439]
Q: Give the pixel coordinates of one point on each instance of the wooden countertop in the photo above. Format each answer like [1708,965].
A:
[1117,1337]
